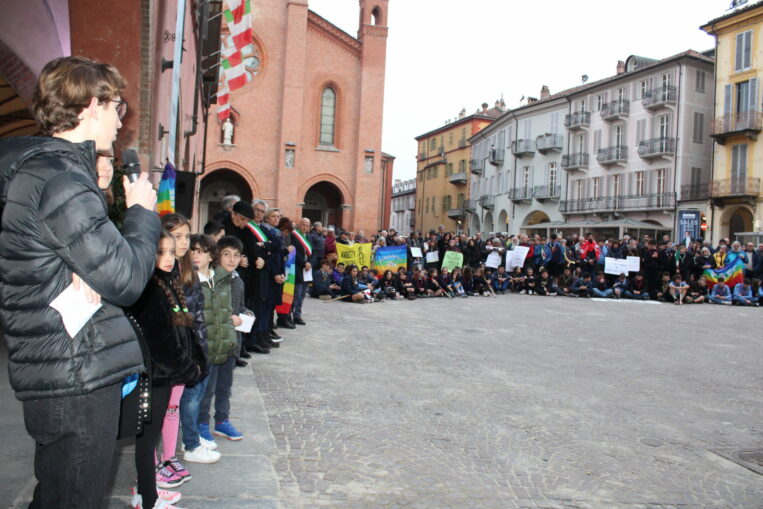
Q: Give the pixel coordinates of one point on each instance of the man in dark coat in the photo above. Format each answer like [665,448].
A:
[304,250]
[55,231]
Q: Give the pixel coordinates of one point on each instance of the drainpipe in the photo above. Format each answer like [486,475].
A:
[712,152]
[675,159]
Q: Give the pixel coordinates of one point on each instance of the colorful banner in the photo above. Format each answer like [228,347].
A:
[359,254]
[452,259]
[390,258]
[732,273]
[165,202]
[288,287]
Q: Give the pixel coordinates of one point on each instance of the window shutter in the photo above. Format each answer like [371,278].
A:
[739,52]
[746,56]
[727,105]
[753,95]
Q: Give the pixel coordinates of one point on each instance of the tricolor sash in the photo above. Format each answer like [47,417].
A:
[305,243]
[255,228]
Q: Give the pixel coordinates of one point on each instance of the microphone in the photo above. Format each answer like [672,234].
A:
[131,165]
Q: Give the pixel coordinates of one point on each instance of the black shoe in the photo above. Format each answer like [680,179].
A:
[245,355]
[300,321]
[258,349]
[241,364]
[286,325]
[271,344]
[274,336]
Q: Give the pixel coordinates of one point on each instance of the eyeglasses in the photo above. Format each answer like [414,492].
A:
[121,108]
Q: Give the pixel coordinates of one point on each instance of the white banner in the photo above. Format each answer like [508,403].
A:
[615,266]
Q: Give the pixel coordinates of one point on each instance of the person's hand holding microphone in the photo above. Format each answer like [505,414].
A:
[138,190]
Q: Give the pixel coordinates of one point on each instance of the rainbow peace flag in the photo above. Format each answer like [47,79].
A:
[732,273]
[390,258]
[165,199]
[288,286]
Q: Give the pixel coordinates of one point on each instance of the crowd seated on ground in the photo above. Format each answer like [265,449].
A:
[553,267]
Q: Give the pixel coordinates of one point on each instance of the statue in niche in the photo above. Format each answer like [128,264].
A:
[227,132]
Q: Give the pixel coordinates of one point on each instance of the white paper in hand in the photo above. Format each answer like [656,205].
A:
[246,323]
[74,308]
[307,275]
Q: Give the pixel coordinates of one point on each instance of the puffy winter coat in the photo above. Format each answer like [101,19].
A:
[194,298]
[54,224]
[221,336]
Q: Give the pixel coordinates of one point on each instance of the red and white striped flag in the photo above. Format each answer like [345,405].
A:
[233,68]
[239,20]
[223,102]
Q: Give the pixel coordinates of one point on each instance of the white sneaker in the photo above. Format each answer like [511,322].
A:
[165,500]
[202,455]
[209,444]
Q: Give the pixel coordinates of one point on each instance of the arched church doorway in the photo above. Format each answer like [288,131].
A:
[216,186]
[323,203]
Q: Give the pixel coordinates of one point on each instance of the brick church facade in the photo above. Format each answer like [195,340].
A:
[308,126]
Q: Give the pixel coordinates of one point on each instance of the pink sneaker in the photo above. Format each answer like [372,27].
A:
[177,467]
[167,478]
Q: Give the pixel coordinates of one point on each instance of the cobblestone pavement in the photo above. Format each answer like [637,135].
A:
[516,401]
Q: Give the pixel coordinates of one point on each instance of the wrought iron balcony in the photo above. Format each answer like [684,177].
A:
[740,187]
[747,123]
[577,161]
[521,148]
[577,120]
[659,97]
[695,192]
[542,193]
[457,178]
[422,156]
[660,201]
[657,147]
[496,156]
[477,166]
[520,194]
[616,154]
[615,109]
[547,142]
[457,213]
[487,201]
[470,205]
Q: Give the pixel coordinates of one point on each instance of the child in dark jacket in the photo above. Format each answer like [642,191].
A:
[176,358]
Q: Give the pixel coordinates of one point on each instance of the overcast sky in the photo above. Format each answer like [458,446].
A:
[443,55]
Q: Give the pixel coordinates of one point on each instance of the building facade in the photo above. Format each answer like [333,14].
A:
[638,146]
[307,127]
[403,209]
[517,179]
[735,192]
[442,171]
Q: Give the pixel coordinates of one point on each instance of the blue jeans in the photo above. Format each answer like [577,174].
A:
[742,301]
[631,295]
[190,405]
[219,385]
[715,299]
[300,289]
[502,287]
[602,293]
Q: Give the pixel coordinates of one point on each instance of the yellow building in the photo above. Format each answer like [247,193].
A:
[443,172]
[735,192]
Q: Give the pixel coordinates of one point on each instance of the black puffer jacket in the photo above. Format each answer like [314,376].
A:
[54,223]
